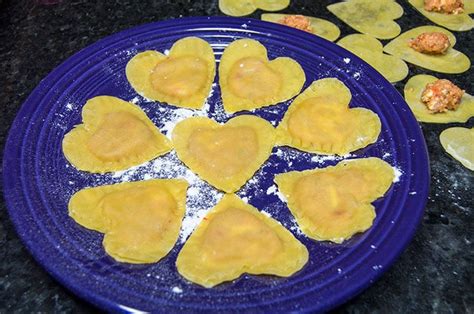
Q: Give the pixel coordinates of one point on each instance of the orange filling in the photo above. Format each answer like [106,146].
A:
[441,96]
[445,6]
[431,43]
[297,21]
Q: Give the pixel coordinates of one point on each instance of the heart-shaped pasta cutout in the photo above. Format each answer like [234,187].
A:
[413,91]
[455,22]
[249,80]
[320,121]
[459,143]
[141,220]
[114,135]
[235,238]
[317,26]
[374,18]
[334,203]
[453,61]
[226,155]
[246,7]
[370,50]
[182,78]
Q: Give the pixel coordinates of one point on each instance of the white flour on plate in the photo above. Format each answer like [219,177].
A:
[201,196]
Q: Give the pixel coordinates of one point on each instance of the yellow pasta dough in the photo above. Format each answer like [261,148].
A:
[374,18]
[370,50]
[227,155]
[320,121]
[114,135]
[452,61]
[183,78]
[455,22]
[320,27]
[141,220]
[249,80]
[235,238]
[334,203]
[459,143]
[413,90]
[246,7]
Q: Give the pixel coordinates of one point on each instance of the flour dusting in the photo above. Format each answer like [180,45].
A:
[398,173]
[273,190]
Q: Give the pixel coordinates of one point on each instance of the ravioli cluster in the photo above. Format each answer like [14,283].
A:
[141,220]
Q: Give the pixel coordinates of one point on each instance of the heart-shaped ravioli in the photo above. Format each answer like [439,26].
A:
[413,91]
[249,80]
[235,238]
[114,135]
[334,203]
[456,22]
[183,78]
[459,143]
[246,7]
[317,26]
[141,220]
[452,61]
[227,155]
[320,121]
[374,18]
[370,50]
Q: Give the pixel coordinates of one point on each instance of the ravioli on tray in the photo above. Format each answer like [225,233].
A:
[226,155]
[182,78]
[248,80]
[140,220]
[114,135]
[334,203]
[320,121]
[235,238]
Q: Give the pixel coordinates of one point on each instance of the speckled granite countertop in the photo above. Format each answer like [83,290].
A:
[434,274]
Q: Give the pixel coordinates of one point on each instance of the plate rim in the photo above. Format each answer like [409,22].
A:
[52,76]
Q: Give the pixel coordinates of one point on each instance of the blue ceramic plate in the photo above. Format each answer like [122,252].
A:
[38,181]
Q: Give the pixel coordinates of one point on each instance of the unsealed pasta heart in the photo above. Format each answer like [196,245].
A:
[370,50]
[413,91]
[455,22]
[459,143]
[320,27]
[453,61]
[246,7]
[374,18]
